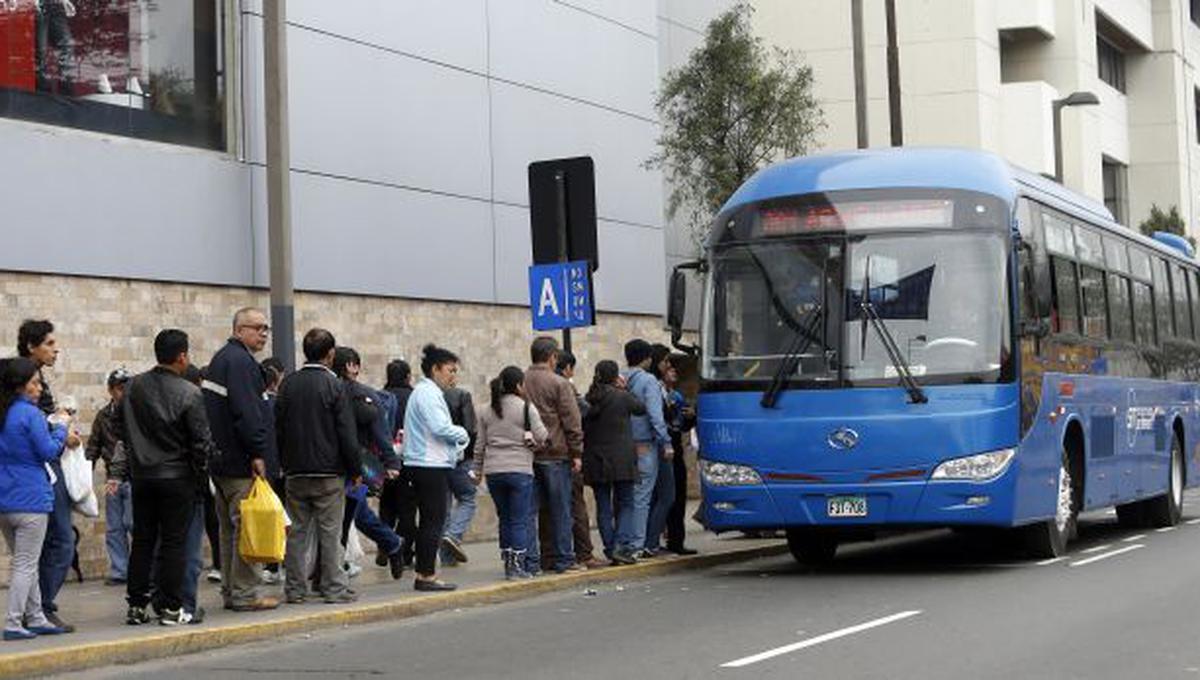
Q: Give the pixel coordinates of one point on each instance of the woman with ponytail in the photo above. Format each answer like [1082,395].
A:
[509,432]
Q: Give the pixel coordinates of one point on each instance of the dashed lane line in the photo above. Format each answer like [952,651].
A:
[1135,537]
[1193,521]
[820,639]
[1096,549]
[1052,560]
[1104,556]
[1164,530]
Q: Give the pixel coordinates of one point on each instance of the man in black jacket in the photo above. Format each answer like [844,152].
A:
[167,440]
[234,392]
[319,450]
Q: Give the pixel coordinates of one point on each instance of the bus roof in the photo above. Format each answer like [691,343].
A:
[926,168]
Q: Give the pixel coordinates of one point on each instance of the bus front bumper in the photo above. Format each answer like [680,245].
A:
[910,502]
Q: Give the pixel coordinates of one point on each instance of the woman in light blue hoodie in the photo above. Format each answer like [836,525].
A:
[433,446]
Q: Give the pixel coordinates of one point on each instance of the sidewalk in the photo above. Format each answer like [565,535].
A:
[102,638]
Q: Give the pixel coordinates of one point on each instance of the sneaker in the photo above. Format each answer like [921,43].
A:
[52,617]
[683,551]
[344,597]
[198,616]
[19,634]
[571,568]
[433,586]
[352,570]
[623,558]
[452,546]
[381,559]
[174,617]
[136,616]
[269,577]
[114,581]
[296,599]
[45,630]
[213,576]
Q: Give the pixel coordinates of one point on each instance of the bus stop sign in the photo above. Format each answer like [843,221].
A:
[560,295]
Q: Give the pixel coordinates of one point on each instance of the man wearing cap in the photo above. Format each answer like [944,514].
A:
[118,506]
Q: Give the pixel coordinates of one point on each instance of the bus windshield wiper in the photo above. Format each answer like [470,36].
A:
[916,395]
[803,339]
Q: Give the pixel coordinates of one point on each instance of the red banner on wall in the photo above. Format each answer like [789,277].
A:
[17,44]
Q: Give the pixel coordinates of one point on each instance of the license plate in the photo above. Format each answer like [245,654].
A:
[847,506]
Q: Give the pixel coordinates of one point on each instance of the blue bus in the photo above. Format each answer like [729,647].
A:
[912,338]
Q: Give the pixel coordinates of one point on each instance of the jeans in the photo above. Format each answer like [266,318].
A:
[462,496]
[512,492]
[316,506]
[660,506]
[118,522]
[552,512]
[643,490]
[24,533]
[58,550]
[616,532]
[359,513]
[193,551]
[163,511]
[239,578]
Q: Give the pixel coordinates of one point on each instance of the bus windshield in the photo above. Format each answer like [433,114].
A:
[942,296]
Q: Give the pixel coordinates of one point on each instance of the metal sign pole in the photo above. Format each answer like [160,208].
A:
[560,190]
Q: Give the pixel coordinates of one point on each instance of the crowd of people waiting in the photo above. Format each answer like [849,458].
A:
[183,446]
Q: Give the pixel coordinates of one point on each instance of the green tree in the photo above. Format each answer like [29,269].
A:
[1169,221]
[735,106]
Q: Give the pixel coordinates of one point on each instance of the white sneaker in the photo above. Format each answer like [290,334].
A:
[214,576]
[269,577]
[174,617]
[353,570]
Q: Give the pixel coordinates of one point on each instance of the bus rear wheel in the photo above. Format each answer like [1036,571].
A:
[812,547]
[1049,539]
[1166,510]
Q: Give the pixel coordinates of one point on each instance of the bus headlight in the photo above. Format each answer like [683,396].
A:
[982,467]
[728,474]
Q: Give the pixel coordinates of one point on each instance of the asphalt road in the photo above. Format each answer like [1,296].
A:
[935,605]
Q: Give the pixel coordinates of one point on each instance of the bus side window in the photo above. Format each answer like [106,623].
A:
[1195,293]
[1162,300]
[1066,296]
[1183,317]
[1095,312]
[1143,314]
[1120,313]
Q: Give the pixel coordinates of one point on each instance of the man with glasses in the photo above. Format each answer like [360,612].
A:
[234,399]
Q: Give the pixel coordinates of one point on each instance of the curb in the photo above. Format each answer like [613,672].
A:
[150,647]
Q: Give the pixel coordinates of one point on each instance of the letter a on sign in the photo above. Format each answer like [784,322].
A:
[547,299]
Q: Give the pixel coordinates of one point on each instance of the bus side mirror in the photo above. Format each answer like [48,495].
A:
[677,305]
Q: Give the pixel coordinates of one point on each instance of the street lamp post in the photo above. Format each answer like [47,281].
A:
[1081,98]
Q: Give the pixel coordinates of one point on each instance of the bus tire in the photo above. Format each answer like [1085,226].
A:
[1167,509]
[812,547]
[1049,538]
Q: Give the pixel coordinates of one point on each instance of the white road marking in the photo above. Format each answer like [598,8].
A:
[811,642]
[1105,556]
[1193,521]
[1131,539]
[1096,549]
[1164,530]
[1052,560]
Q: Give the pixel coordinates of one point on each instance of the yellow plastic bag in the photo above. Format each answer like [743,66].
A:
[262,536]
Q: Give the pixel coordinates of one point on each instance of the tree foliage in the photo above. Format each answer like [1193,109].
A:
[735,106]
[1169,221]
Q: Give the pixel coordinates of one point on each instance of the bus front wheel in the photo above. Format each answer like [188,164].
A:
[811,547]
[1166,510]
[1049,539]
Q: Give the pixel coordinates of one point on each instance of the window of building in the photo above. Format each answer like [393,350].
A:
[153,70]
[1116,189]
[1111,61]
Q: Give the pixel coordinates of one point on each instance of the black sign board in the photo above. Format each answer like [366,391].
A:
[562,211]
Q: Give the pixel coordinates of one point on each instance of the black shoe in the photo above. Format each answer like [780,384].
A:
[433,586]
[136,616]
[198,615]
[111,581]
[52,617]
[454,548]
[681,550]
[382,559]
[622,558]
[396,562]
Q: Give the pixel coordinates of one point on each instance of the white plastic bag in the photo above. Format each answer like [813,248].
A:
[77,476]
[354,551]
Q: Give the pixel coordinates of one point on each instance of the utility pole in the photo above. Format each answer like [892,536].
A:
[279,192]
[893,68]
[860,73]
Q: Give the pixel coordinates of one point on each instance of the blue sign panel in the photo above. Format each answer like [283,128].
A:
[560,295]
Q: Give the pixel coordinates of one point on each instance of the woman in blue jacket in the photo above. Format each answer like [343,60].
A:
[26,496]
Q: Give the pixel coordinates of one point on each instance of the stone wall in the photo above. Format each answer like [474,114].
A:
[105,323]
